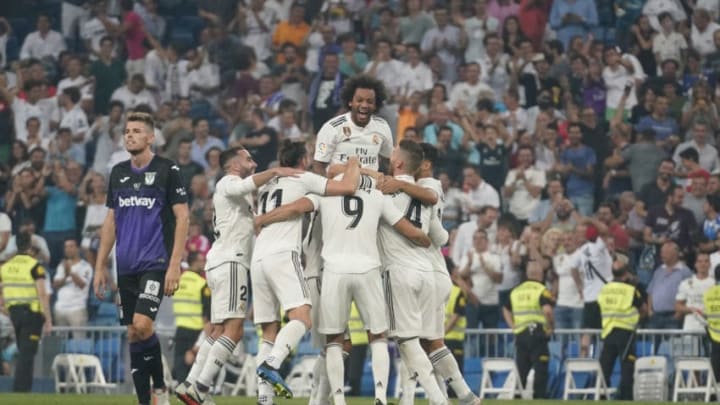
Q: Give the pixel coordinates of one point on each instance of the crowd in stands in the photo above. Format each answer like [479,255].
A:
[550,117]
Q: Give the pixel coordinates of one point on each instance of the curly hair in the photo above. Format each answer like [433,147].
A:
[363,82]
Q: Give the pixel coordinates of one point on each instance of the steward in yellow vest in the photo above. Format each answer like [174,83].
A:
[621,306]
[529,313]
[25,298]
[191,306]
[711,299]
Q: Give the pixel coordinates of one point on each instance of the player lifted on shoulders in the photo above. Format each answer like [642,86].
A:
[358,132]
[148,221]
[227,267]
[352,272]
[277,275]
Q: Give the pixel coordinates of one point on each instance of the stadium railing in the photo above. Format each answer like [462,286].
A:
[109,344]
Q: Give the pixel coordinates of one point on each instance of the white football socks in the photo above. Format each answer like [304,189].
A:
[380,367]
[287,339]
[200,359]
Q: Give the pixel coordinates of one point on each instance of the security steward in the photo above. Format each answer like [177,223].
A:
[711,299]
[191,305]
[529,313]
[358,352]
[622,304]
[455,325]
[25,298]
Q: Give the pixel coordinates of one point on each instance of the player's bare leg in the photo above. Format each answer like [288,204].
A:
[286,340]
[447,368]
[146,360]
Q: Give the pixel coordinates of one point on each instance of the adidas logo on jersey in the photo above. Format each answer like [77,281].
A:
[137,202]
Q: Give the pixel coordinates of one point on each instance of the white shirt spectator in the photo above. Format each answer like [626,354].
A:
[521,119]
[418,78]
[703,41]
[80,82]
[207,76]
[281,8]
[708,155]
[521,203]
[435,35]
[292,132]
[595,268]
[5,225]
[568,293]
[463,242]
[176,81]
[93,30]
[713,6]
[669,46]
[155,71]
[511,277]
[76,120]
[389,73]
[482,195]
[691,291]
[615,82]
[3,50]
[38,242]
[467,94]
[131,100]
[495,73]
[257,38]
[483,287]
[43,110]
[653,8]
[37,46]
[475,30]
[70,297]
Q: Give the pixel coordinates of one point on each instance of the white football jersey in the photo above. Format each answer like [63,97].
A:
[340,138]
[232,221]
[438,261]
[350,228]
[596,268]
[396,249]
[287,235]
[312,246]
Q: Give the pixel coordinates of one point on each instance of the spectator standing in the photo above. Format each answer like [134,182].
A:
[476,28]
[463,243]
[189,168]
[60,213]
[696,196]
[255,23]
[92,194]
[154,24]
[533,17]
[483,269]
[416,74]
[43,43]
[567,284]
[641,158]
[671,222]
[75,120]
[619,79]
[24,201]
[663,288]
[108,74]
[294,30]
[72,283]
[668,43]
[261,141]
[708,154]
[702,32]
[324,93]
[689,299]
[571,18]
[655,192]
[443,40]
[134,34]
[578,164]
[352,60]
[93,31]
[466,93]
[664,125]
[523,186]
[415,24]
[134,94]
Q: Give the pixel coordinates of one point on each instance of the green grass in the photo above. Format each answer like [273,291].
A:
[75,399]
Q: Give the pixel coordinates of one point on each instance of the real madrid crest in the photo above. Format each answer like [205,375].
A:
[346,131]
[376,139]
[149,178]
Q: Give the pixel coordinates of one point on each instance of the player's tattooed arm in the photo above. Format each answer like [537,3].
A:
[284,213]
[425,195]
[410,231]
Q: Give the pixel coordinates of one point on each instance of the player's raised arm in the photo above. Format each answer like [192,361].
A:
[107,240]
[349,182]
[285,212]
[425,195]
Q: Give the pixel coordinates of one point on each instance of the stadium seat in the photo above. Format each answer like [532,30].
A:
[578,373]
[76,368]
[500,377]
[693,376]
[650,379]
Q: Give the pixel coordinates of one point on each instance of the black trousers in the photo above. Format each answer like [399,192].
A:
[532,353]
[457,348]
[184,340]
[28,331]
[620,344]
[355,363]
[715,358]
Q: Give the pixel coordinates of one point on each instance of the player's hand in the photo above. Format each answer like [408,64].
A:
[287,172]
[47,327]
[172,279]
[258,224]
[390,185]
[100,282]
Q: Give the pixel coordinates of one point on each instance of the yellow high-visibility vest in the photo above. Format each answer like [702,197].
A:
[616,307]
[358,335]
[187,301]
[458,331]
[18,284]
[711,299]
[526,309]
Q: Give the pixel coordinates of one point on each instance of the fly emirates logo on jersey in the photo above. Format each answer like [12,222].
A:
[134,201]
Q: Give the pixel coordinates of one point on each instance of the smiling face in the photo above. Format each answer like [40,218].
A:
[362,106]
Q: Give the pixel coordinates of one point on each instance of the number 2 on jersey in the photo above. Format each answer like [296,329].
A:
[353,207]
[276,196]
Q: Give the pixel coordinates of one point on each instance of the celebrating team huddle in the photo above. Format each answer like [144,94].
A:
[324,242]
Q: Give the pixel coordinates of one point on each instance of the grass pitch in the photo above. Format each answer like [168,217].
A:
[96,399]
